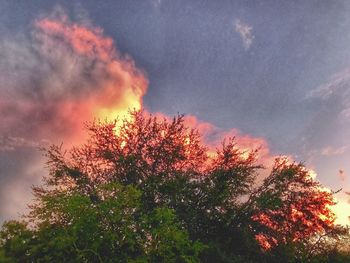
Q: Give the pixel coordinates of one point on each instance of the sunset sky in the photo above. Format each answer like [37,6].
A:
[275,74]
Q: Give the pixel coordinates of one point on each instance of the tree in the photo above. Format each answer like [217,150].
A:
[147,190]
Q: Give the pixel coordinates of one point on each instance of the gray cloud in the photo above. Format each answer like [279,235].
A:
[156,3]
[12,143]
[336,91]
[328,151]
[245,32]
[338,83]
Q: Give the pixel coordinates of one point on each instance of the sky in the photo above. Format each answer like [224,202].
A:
[271,73]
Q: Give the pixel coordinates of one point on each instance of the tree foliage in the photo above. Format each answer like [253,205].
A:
[148,191]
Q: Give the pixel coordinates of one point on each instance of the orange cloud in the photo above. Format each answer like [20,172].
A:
[214,136]
[52,82]
[108,83]
[121,84]
[85,41]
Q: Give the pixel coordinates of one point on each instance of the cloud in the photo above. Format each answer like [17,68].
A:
[52,80]
[213,137]
[337,91]
[337,83]
[61,75]
[326,133]
[329,151]
[156,3]
[11,143]
[245,32]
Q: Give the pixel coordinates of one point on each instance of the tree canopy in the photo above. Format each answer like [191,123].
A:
[147,190]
